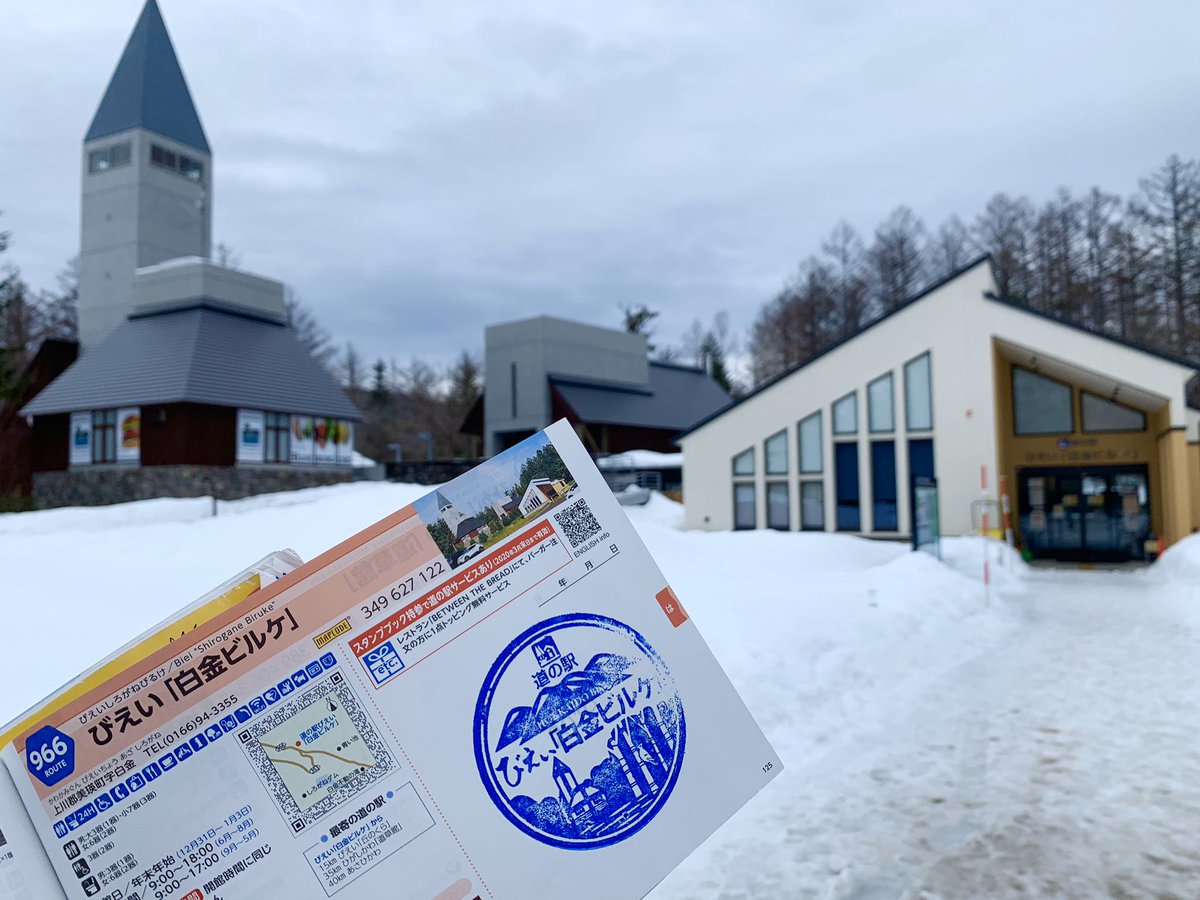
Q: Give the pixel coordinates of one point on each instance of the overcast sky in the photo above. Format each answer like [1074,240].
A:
[418,170]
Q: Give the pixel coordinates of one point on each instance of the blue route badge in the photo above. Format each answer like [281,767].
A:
[579,732]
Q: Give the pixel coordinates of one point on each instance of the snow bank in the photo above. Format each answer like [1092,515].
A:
[1180,563]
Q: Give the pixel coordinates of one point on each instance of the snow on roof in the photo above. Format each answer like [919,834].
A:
[641,459]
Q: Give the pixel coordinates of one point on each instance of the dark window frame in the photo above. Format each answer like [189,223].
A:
[804,524]
[894,499]
[908,426]
[787,505]
[277,429]
[104,159]
[104,436]
[1083,425]
[1012,381]
[180,163]
[754,505]
[833,425]
[820,444]
[767,470]
[753,463]
[857,503]
[890,378]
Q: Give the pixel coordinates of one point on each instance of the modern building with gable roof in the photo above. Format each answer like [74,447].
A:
[601,380]
[1092,434]
[189,378]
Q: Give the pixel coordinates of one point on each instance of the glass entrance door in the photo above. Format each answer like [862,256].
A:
[1085,514]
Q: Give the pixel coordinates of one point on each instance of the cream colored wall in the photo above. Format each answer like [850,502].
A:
[957,325]
[964,429]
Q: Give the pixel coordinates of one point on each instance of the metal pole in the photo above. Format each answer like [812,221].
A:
[1006,512]
[983,528]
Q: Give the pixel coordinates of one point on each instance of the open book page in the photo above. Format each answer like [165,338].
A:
[492,692]
[25,871]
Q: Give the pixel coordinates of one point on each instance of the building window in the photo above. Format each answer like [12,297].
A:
[812,449]
[880,412]
[775,451]
[920,465]
[104,436]
[109,157]
[885,514]
[777,506]
[743,463]
[845,465]
[812,505]
[279,438]
[845,415]
[1100,414]
[163,157]
[1041,405]
[918,394]
[191,169]
[745,516]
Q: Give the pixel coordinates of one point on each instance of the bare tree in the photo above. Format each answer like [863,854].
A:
[637,320]
[60,309]
[796,324]
[897,259]
[844,251]
[350,369]
[1099,210]
[309,332]
[224,255]
[951,248]
[1167,209]
[1003,230]
[1128,280]
[1057,236]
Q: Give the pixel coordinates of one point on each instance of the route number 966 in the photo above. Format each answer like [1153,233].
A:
[48,753]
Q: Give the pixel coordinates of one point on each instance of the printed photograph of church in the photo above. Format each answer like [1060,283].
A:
[496,499]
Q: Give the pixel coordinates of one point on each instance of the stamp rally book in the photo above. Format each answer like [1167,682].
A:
[490,693]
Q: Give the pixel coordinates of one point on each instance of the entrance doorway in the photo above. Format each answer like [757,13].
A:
[1093,513]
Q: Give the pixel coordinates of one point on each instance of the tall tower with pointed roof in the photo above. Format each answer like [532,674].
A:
[147,178]
[449,513]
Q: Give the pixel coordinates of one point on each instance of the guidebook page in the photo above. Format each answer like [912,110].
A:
[25,871]
[490,693]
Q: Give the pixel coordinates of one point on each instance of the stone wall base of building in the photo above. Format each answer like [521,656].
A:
[429,471]
[103,486]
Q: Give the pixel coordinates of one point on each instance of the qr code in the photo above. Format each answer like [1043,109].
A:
[577,523]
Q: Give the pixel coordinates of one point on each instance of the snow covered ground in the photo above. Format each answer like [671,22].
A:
[937,745]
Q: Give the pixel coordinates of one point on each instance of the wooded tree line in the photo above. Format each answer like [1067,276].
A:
[28,317]
[1127,266]
[415,408]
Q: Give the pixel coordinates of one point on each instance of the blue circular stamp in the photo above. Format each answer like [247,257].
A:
[579,732]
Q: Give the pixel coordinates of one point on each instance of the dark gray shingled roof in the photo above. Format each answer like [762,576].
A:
[466,526]
[197,355]
[148,89]
[676,397]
